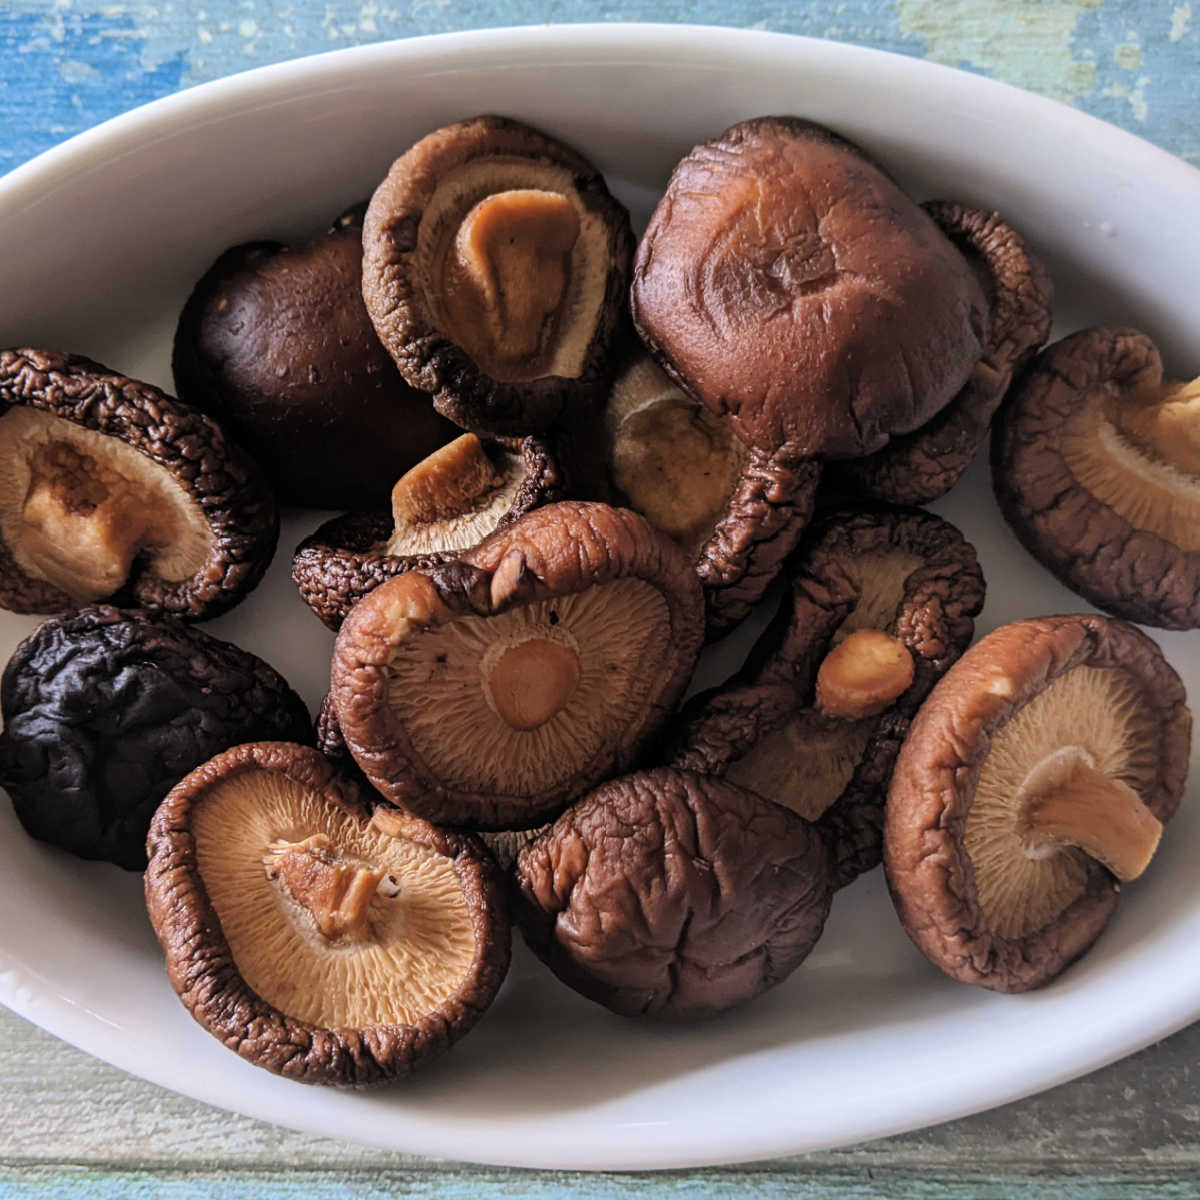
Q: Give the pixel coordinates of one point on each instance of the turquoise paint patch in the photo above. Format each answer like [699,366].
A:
[64,71]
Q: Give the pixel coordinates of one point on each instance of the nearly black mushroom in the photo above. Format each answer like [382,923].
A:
[1036,778]
[1096,465]
[445,505]
[275,343]
[105,711]
[496,269]
[784,279]
[672,895]
[882,602]
[737,511]
[112,490]
[492,691]
[315,938]
[918,467]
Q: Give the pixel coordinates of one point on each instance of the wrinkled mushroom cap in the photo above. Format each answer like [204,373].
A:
[315,939]
[495,270]
[492,691]
[111,489]
[918,467]
[445,505]
[787,281]
[737,511]
[901,579]
[275,342]
[671,895]
[1095,491]
[986,897]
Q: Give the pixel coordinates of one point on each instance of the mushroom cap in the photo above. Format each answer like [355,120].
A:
[906,573]
[492,691]
[918,467]
[738,511]
[411,225]
[254,949]
[956,864]
[106,710]
[672,895]
[275,342]
[192,520]
[349,556]
[1113,522]
[784,279]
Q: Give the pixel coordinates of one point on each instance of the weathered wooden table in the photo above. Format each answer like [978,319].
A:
[70,1126]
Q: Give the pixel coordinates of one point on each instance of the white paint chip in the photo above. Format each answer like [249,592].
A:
[1181,19]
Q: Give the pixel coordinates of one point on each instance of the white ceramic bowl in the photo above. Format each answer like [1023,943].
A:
[100,241]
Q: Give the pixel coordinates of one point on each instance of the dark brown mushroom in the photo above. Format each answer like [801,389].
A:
[918,467]
[735,510]
[105,711]
[443,506]
[112,490]
[496,270]
[1035,779]
[1096,465]
[785,280]
[316,939]
[671,895]
[276,344]
[882,602]
[494,690]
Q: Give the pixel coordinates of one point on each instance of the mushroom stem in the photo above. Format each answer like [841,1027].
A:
[529,682]
[510,268]
[1102,816]
[1167,423]
[863,675]
[336,893]
[444,485]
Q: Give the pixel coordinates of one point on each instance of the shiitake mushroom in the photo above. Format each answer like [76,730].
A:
[1036,778]
[112,490]
[495,269]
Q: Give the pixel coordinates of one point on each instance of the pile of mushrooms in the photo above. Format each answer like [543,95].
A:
[571,460]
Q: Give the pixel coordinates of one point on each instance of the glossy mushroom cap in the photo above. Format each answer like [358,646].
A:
[496,270]
[1096,465]
[1038,773]
[787,281]
[112,490]
[671,895]
[492,691]
[445,505]
[316,939]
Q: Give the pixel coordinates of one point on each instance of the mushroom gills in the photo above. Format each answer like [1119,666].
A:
[1087,727]
[278,862]
[880,579]
[540,689]
[806,763]
[78,508]
[454,498]
[1141,457]
[671,459]
[515,266]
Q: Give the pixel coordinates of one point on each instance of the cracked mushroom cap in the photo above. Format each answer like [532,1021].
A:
[496,270]
[106,710]
[671,895]
[784,279]
[882,602]
[112,490]
[445,505]
[1096,465]
[492,691]
[276,344]
[735,510]
[918,467]
[316,939]
[1035,779]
